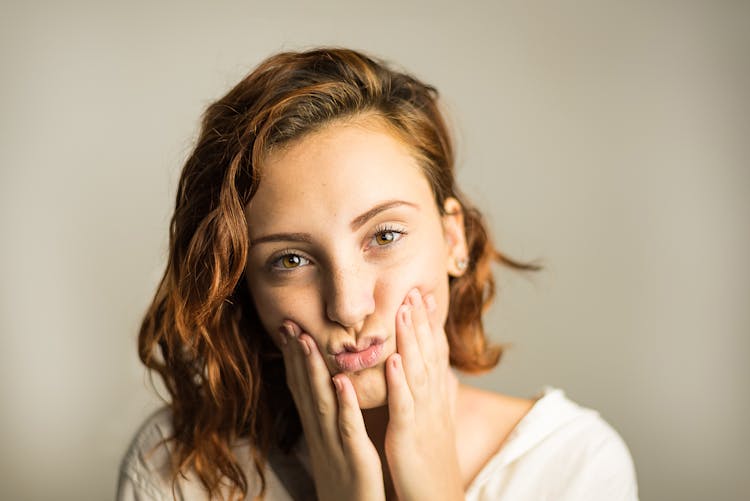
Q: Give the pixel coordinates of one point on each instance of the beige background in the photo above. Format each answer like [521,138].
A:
[609,139]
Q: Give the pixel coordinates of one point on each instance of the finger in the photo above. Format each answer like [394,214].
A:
[438,329]
[280,339]
[293,360]
[351,424]
[406,345]
[400,401]
[432,313]
[452,392]
[422,329]
[300,384]
[322,391]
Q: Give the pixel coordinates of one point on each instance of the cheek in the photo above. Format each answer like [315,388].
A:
[276,304]
[424,269]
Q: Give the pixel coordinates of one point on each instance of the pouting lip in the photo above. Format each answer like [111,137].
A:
[362,344]
[356,361]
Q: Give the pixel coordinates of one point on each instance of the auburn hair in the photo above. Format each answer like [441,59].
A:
[201,333]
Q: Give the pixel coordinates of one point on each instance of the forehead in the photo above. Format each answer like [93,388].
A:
[334,174]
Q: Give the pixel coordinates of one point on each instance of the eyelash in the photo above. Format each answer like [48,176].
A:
[275,265]
[387,228]
[275,261]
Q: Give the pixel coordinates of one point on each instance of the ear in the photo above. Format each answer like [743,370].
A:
[457,251]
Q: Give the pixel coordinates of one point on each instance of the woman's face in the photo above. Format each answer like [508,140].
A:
[343,225]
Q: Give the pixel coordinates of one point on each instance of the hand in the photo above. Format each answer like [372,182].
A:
[344,460]
[420,441]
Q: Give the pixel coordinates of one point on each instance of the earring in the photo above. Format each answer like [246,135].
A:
[462,263]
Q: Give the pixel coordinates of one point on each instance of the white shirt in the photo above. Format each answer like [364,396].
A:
[558,451]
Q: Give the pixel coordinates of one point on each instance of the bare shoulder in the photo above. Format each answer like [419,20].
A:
[501,411]
[484,419]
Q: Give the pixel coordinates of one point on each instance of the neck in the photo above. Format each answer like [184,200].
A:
[376,423]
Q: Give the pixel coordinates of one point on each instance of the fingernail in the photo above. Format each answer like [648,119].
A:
[430,302]
[284,334]
[406,315]
[305,346]
[395,361]
[291,329]
[414,297]
[338,385]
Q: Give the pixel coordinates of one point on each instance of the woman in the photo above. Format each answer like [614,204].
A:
[324,276]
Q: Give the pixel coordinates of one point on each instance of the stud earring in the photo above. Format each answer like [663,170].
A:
[462,263]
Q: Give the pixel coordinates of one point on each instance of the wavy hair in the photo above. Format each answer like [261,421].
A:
[201,333]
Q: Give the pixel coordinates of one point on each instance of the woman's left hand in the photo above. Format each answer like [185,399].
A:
[420,441]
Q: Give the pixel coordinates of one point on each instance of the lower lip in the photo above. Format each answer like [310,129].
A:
[353,361]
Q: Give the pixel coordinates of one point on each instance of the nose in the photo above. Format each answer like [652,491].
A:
[350,296]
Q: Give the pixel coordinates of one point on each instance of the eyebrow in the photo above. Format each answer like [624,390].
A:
[356,223]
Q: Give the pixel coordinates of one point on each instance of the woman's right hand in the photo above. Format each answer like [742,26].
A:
[345,462]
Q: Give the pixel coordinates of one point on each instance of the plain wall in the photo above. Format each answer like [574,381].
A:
[607,139]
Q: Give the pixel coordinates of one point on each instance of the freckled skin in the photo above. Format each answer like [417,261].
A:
[350,283]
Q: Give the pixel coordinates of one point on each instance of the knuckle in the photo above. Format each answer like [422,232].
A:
[348,430]
[404,407]
[420,378]
[323,408]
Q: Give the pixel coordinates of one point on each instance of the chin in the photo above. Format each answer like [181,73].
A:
[371,387]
